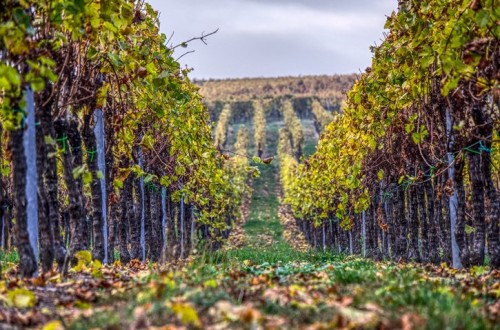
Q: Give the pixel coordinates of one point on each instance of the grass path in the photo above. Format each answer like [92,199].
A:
[263,226]
[264,231]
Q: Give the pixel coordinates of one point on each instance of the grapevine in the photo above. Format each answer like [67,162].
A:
[321,117]
[108,56]
[221,128]
[260,128]
[426,110]
[293,123]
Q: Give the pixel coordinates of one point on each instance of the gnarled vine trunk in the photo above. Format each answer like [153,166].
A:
[126,218]
[27,261]
[493,220]
[45,231]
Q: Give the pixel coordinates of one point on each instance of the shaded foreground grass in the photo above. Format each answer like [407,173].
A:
[328,291]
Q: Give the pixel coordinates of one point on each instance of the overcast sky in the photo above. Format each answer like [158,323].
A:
[267,38]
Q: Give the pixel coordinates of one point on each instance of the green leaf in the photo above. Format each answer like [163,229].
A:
[87,177]
[118,183]
[5,170]
[165,181]
[255,173]
[148,141]
[110,27]
[257,160]
[450,85]
[469,230]
[151,68]
[479,270]
[78,171]
[416,138]
[21,17]
[357,98]
[4,84]
[37,84]
[13,76]
[148,178]
[164,74]
[115,59]
[180,170]
[483,17]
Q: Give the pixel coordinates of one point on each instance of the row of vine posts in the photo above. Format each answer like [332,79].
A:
[410,169]
[105,143]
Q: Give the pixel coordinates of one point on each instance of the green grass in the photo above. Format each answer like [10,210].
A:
[263,227]
[8,259]
[310,137]
[309,149]
[272,134]
[280,253]
[9,256]
[396,290]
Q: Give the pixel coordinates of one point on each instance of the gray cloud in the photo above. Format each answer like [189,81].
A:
[275,38]
[337,5]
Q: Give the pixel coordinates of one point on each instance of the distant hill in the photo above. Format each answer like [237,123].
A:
[250,88]
[329,90]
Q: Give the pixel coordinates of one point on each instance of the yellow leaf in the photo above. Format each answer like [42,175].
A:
[294,289]
[53,325]
[498,292]
[21,298]
[96,269]
[84,260]
[380,175]
[186,314]
[210,283]
[84,256]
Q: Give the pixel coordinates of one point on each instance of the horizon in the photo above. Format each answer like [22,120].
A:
[276,77]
